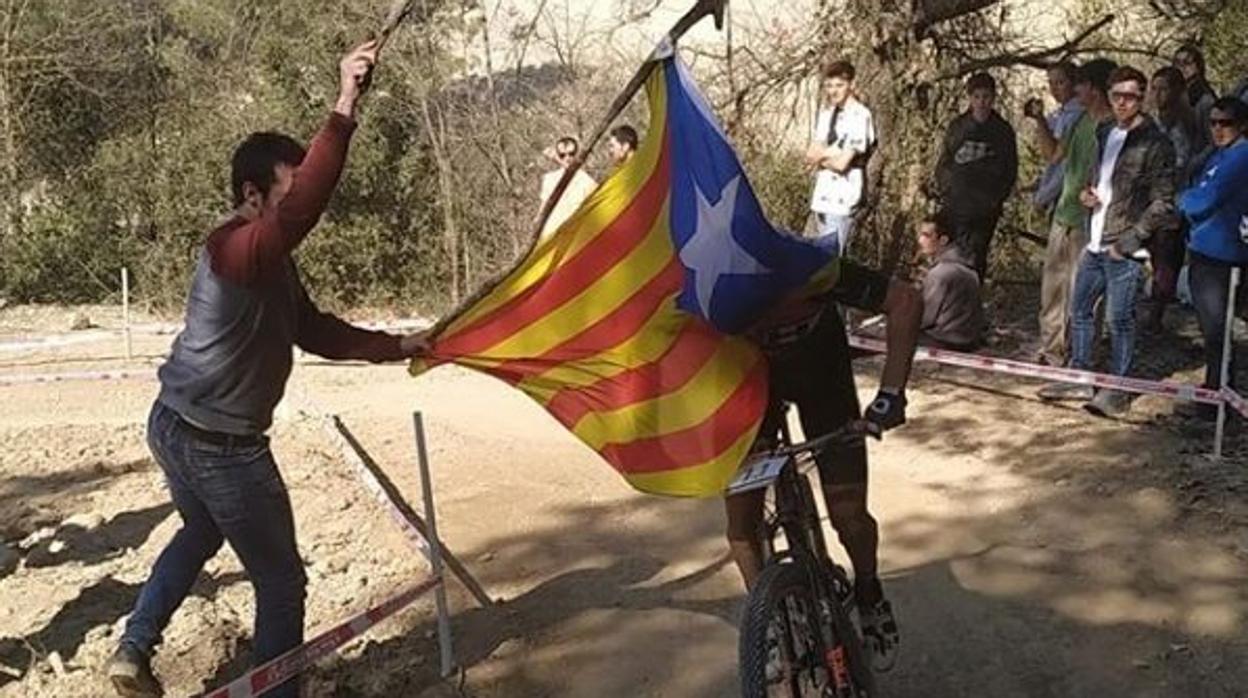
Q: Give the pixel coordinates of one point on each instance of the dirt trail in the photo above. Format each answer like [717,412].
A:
[1030,550]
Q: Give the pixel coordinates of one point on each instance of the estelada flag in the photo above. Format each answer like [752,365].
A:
[622,323]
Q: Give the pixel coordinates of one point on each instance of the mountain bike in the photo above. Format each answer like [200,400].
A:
[797,636]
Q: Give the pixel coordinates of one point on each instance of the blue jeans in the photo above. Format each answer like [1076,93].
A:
[1117,281]
[224,493]
[833,232]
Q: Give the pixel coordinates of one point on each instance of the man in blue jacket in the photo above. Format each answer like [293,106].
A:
[1217,208]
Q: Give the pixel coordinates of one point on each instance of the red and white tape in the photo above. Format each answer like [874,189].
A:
[276,671]
[120,374]
[1175,391]
[1235,401]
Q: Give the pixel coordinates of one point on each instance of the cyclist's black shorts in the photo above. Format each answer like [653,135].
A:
[814,373]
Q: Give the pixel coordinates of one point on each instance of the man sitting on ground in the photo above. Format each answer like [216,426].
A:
[953,312]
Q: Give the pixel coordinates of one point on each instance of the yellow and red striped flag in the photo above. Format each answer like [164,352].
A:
[617,323]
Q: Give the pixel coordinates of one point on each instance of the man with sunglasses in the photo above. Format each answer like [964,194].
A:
[1130,198]
[579,189]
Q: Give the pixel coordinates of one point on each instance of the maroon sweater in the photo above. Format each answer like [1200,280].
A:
[247,307]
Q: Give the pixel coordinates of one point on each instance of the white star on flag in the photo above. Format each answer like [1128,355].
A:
[712,251]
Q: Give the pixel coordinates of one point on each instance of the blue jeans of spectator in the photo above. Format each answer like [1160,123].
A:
[224,493]
[833,232]
[1117,280]
[1210,282]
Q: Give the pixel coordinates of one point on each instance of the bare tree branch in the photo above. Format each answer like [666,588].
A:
[930,12]
[1039,59]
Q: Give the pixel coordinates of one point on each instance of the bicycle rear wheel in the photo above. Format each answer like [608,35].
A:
[781,651]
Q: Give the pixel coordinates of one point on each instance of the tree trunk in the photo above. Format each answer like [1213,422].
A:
[436,128]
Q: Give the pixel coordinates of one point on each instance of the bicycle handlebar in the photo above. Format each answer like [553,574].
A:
[845,435]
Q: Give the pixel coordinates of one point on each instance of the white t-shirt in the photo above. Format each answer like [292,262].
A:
[1105,186]
[839,193]
[579,189]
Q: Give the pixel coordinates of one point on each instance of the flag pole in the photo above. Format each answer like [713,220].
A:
[700,10]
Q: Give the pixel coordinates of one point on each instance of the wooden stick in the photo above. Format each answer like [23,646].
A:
[700,10]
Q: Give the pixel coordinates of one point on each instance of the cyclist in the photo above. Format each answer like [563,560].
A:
[809,355]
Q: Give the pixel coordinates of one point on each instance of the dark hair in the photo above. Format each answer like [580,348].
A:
[568,140]
[1125,73]
[1233,106]
[981,81]
[839,69]
[1096,73]
[256,158]
[1066,68]
[1197,56]
[942,221]
[625,134]
[1170,74]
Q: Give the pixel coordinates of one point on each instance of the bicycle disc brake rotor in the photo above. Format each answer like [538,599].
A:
[794,665]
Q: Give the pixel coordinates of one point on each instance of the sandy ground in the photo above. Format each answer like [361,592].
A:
[1029,550]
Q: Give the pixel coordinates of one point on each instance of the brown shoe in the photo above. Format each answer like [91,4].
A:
[130,671]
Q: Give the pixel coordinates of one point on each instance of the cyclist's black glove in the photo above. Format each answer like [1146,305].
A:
[886,411]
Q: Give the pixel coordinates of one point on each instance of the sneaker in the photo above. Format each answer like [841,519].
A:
[879,634]
[130,671]
[1109,403]
[1067,391]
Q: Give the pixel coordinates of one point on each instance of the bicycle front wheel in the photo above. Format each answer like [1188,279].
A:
[779,650]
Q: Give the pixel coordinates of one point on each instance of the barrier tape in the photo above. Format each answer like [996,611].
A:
[67,376]
[1176,391]
[53,341]
[280,669]
[1235,401]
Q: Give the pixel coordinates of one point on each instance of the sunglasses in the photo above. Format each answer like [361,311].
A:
[1221,123]
[1126,96]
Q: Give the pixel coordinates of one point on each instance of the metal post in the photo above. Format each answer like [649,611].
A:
[435,550]
[125,310]
[1227,347]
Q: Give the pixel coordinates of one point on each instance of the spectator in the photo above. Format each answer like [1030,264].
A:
[843,138]
[1051,129]
[621,144]
[1177,120]
[977,169]
[228,368]
[1217,209]
[1068,232]
[579,187]
[1240,91]
[953,312]
[1131,197]
[1200,95]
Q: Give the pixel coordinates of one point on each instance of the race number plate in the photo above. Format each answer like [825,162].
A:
[757,474]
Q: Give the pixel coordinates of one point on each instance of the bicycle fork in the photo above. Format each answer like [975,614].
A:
[806,538]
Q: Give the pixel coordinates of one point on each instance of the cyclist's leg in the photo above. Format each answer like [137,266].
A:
[745,516]
[831,403]
[827,400]
[745,511]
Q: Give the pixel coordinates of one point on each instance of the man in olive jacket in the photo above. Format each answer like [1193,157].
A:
[1130,198]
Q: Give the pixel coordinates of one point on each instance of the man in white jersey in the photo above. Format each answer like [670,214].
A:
[841,143]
